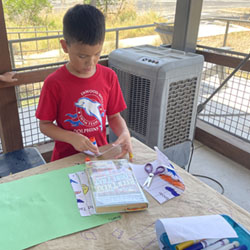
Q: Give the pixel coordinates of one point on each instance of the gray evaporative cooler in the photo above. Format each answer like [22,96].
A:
[160,86]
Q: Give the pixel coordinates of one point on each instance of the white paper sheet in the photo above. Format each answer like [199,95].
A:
[160,188]
[194,228]
[80,185]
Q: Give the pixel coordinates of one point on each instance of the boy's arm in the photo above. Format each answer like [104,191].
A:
[78,141]
[119,127]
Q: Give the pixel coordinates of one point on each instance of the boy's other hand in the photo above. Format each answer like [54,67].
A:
[125,141]
[82,143]
[8,77]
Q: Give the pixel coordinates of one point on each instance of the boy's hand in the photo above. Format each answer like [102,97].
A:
[125,142]
[8,77]
[82,143]
[79,142]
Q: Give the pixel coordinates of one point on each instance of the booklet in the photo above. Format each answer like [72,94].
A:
[107,186]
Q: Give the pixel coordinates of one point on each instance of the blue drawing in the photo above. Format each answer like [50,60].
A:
[74,123]
[79,201]
[172,191]
[74,116]
[72,181]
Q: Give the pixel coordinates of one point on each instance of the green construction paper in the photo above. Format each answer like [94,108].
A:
[42,207]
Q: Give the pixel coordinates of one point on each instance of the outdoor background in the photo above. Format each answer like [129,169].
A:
[41,18]
[34,29]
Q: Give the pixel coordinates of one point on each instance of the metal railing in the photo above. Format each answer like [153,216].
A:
[47,48]
[229,109]
[17,46]
[228,21]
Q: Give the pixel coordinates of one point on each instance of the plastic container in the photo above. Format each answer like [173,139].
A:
[243,239]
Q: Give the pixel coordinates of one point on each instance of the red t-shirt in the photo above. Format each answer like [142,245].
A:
[80,104]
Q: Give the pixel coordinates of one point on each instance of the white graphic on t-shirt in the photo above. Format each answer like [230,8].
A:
[90,112]
[91,108]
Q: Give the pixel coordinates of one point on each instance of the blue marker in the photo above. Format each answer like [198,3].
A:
[230,246]
[202,244]
[219,243]
[241,247]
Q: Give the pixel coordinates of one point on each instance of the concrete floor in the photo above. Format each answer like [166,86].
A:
[234,178]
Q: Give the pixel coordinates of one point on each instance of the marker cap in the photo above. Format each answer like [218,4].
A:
[242,247]
[184,245]
[93,140]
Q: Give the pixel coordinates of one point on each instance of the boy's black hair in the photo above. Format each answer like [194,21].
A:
[84,23]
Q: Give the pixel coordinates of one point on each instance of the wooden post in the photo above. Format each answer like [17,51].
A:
[10,130]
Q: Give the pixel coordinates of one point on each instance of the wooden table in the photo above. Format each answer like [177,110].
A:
[136,230]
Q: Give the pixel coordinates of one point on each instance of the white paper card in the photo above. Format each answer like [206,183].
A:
[164,187]
[194,228]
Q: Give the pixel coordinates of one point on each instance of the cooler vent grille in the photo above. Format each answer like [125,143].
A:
[179,112]
[137,94]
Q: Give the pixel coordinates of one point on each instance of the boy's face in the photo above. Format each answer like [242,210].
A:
[82,58]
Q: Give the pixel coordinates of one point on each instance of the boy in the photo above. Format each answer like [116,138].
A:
[80,94]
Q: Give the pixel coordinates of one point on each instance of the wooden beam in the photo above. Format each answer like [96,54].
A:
[36,76]
[29,77]
[10,130]
[228,61]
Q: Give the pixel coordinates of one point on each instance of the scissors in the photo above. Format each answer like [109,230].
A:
[149,169]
